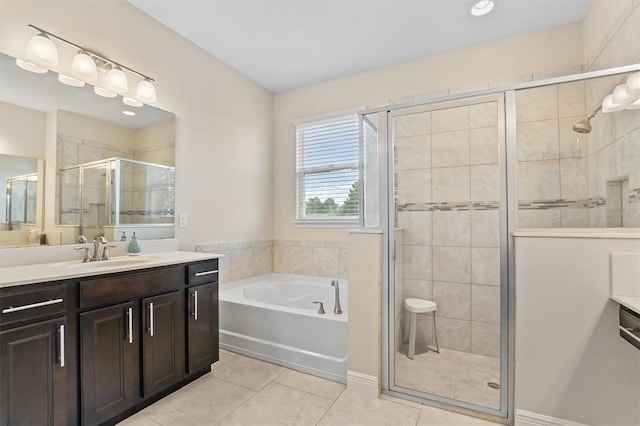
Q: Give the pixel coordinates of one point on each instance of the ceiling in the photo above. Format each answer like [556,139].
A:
[287,44]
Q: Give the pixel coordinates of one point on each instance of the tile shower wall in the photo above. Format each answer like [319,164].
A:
[447,200]
[250,258]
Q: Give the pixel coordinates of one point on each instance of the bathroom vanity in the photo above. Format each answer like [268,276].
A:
[95,342]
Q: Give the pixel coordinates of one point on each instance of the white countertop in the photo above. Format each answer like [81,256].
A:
[631,302]
[42,272]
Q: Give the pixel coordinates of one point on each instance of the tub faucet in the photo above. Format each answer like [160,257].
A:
[336,309]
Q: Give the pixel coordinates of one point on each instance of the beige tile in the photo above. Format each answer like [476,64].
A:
[451,184]
[248,372]
[452,264]
[485,266]
[353,409]
[430,416]
[281,259]
[485,303]
[574,218]
[205,402]
[484,145]
[538,140]
[138,419]
[627,152]
[343,267]
[572,144]
[485,228]
[483,115]
[417,227]
[450,149]
[573,178]
[453,300]
[419,289]
[279,405]
[241,264]
[540,103]
[454,334]
[485,339]
[325,262]
[301,260]
[414,186]
[417,262]
[485,182]
[571,99]
[413,152]
[451,228]
[539,180]
[413,124]
[224,357]
[450,119]
[312,384]
[539,218]
[262,260]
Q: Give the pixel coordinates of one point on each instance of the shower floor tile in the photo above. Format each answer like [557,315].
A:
[451,374]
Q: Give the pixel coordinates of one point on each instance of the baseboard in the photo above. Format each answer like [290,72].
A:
[527,418]
[363,384]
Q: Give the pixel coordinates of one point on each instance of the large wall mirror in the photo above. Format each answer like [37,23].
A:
[75,163]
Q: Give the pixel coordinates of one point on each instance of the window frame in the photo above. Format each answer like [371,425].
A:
[301,172]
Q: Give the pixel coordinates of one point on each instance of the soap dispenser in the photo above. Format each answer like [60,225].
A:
[123,237]
[134,246]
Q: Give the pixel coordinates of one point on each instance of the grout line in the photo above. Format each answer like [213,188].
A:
[304,391]
[331,406]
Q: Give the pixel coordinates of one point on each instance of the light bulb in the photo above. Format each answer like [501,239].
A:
[131,102]
[146,91]
[42,51]
[70,81]
[621,95]
[83,67]
[608,105]
[31,67]
[116,80]
[482,7]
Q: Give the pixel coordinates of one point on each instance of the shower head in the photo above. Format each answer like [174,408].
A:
[584,126]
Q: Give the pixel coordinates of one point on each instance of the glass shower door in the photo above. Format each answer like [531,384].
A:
[445,219]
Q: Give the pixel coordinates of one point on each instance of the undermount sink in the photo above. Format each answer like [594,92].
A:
[114,262]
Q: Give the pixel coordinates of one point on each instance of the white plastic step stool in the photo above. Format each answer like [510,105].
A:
[414,307]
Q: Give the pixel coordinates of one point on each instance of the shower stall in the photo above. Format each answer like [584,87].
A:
[449,181]
[22,196]
[114,195]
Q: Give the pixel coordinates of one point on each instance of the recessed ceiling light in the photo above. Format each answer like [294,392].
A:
[482,7]
[126,112]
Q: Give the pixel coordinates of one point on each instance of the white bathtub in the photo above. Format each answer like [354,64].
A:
[272,317]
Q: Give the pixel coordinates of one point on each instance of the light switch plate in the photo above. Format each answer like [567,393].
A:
[183,220]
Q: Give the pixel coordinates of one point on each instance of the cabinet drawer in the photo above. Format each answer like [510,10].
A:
[129,286]
[203,272]
[33,303]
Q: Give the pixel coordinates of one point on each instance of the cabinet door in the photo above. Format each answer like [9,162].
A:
[110,361]
[202,314]
[33,385]
[163,342]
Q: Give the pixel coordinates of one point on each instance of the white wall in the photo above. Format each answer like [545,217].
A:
[223,120]
[570,362]
[473,68]
[89,128]
[22,131]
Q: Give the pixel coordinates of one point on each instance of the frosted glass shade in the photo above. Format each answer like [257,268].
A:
[70,81]
[84,68]
[116,80]
[131,102]
[633,84]
[621,95]
[146,91]
[105,92]
[31,67]
[634,105]
[482,7]
[608,105]
[42,51]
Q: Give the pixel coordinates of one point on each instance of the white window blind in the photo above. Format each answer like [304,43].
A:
[327,170]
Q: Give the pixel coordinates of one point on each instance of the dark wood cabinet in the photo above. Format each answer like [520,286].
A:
[33,374]
[202,330]
[163,341]
[110,361]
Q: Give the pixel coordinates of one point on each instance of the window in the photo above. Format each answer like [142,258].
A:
[327,171]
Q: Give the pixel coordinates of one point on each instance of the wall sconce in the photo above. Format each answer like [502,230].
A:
[42,55]
[624,96]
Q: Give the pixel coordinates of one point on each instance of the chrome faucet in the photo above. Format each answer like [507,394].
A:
[336,309]
[96,248]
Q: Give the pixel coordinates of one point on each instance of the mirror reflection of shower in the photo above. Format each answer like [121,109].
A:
[584,126]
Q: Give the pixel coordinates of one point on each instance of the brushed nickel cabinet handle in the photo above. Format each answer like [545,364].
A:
[130,321]
[61,337]
[195,302]
[31,306]
[151,319]
[199,274]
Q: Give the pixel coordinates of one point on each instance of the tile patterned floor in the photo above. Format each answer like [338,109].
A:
[452,374]
[242,391]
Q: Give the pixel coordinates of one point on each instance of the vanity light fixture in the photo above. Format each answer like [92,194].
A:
[608,105]
[131,102]
[42,55]
[482,7]
[621,95]
[625,95]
